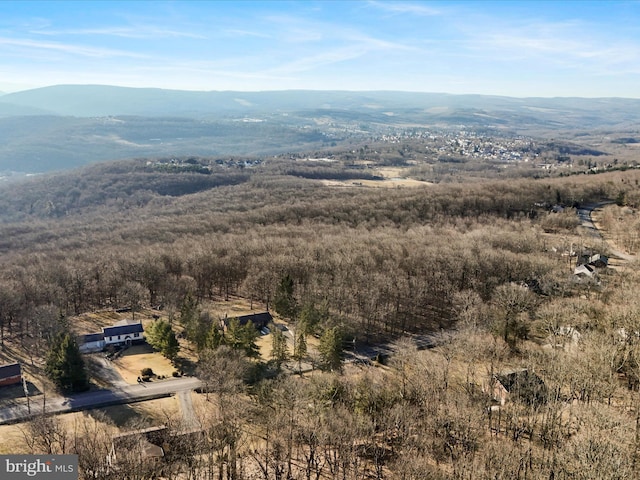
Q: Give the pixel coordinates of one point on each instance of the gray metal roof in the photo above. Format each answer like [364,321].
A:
[260,320]
[91,337]
[123,329]
[11,370]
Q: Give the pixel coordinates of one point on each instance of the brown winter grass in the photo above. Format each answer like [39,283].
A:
[234,307]
[137,357]
[392,177]
[114,419]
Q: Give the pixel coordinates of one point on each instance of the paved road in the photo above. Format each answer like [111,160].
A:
[585,214]
[16,412]
[189,419]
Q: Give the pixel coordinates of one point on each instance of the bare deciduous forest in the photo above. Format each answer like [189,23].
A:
[482,270]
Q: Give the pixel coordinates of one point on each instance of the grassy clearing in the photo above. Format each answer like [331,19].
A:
[264,343]
[12,439]
[392,177]
[94,321]
[115,419]
[385,183]
[138,357]
[157,411]
[234,307]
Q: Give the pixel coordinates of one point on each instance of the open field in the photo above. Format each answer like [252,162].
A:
[91,322]
[386,183]
[392,177]
[113,420]
[264,343]
[137,357]
[234,307]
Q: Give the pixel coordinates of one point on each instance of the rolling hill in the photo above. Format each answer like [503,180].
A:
[65,126]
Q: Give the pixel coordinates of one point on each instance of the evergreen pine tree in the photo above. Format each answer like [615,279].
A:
[284,302]
[279,351]
[171,347]
[161,336]
[189,316]
[215,337]
[300,345]
[65,365]
[242,337]
[330,348]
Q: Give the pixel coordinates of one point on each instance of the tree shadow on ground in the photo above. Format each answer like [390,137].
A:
[118,415]
[185,366]
[14,392]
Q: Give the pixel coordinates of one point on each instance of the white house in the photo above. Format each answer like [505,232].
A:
[93,342]
[123,333]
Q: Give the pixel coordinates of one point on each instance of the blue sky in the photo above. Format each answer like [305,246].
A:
[543,48]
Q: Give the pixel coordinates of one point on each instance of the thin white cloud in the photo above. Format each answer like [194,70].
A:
[245,33]
[292,29]
[571,45]
[123,32]
[349,49]
[406,7]
[372,43]
[79,50]
[319,60]
[299,30]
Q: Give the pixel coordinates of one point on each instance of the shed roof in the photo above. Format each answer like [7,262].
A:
[584,270]
[523,384]
[90,337]
[599,259]
[10,370]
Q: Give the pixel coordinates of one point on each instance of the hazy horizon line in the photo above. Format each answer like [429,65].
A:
[425,92]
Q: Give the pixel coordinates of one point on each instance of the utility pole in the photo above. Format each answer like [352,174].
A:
[26,394]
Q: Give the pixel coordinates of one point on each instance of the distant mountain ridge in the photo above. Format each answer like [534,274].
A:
[101,100]
[65,126]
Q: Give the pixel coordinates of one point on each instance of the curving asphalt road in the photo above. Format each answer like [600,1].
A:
[586,221]
[19,411]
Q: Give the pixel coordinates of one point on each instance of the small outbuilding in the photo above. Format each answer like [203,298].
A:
[146,445]
[517,385]
[92,342]
[566,337]
[599,261]
[259,320]
[10,374]
[585,271]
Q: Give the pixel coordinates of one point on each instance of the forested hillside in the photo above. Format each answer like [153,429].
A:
[485,267]
[62,127]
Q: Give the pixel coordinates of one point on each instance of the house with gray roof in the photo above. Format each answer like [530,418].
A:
[123,333]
